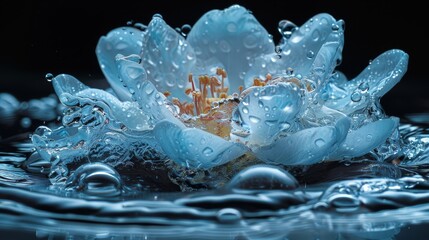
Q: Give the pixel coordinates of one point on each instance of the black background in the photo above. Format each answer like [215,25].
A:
[60,37]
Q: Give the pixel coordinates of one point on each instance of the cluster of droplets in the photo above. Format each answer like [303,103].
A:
[289,96]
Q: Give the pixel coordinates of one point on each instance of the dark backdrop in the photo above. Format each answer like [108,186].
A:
[60,37]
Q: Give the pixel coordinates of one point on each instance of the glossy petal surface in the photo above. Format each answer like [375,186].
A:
[266,112]
[360,141]
[305,147]
[195,148]
[233,38]
[315,40]
[125,41]
[167,58]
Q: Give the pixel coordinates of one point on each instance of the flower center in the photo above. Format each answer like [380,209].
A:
[211,90]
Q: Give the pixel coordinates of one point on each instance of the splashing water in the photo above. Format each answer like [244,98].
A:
[212,131]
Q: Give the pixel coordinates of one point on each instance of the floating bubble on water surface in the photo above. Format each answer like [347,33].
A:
[263,177]
[95,179]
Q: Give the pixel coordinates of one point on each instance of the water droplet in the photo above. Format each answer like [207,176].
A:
[49,77]
[369,137]
[245,110]
[185,29]
[289,71]
[263,177]
[224,46]
[363,86]
[316,35]
[286,28]
[356,96]
[207,151]
[97,179]
[320,142]
[335,27]
[157,15]
[254,119]
[284,126]
[260,104]
[278,50]
[310,54]
[250,41]
[344,202]
[231,27]
[228,215]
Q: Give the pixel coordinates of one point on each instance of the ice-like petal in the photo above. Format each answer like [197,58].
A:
[383,73]
[152,102]
[305,147]
[193,147]
[316,46]
[300,50]
[266,112]
[362,140]
[167,58]
[125,41]
[65,83]
[233,37]
[128,113]
[378,78]
[72,92]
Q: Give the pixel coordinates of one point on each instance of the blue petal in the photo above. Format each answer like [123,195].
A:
[383,73]
[233,38]
[152,102]
[315,46]
[378,78]
[362,140]
[266,112]
[167,58]
[193,147]
[125,41]
[305,147]
[72,92]
[66,85]
[128,113]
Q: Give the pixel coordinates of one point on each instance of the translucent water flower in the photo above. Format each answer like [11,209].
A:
[223,90]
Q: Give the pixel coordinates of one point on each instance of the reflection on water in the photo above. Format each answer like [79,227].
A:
[366,199]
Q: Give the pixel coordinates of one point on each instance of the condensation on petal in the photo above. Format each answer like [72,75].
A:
[362,140]
[67,86]
[266,112]
[305,43]
[168,58]
[301,50]
[305,147]
[325,62]
[125,41]
[195,148]
[144,92]
[128,113]
[233,37]
[378,78]
[383,73]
